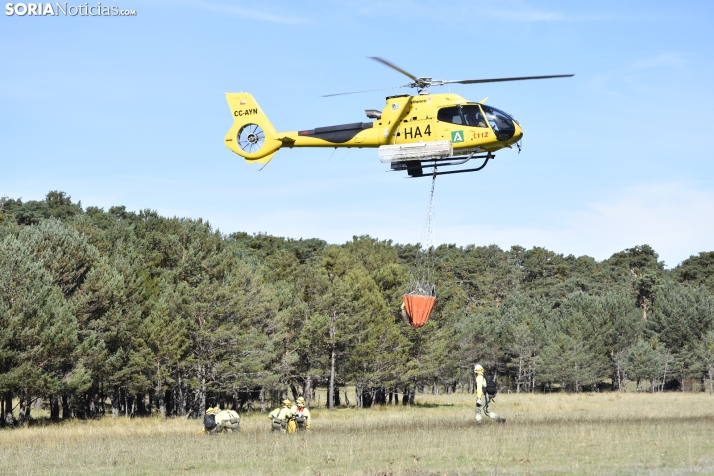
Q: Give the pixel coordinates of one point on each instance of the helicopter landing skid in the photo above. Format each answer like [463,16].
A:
[415,168]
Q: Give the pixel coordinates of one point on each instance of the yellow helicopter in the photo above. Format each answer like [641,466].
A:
[411,132]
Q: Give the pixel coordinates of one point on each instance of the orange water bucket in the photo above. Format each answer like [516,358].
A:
[418,308]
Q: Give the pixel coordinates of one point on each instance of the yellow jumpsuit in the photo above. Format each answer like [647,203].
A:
[298,414]
[484,399]
[280,418]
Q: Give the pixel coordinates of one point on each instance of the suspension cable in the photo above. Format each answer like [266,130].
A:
[422,283]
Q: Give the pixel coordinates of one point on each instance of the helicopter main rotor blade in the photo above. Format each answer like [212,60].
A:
[365,91]
[498,80]
[395,67]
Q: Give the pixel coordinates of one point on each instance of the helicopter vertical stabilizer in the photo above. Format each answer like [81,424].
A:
[252,136]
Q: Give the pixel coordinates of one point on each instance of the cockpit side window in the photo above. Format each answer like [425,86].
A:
[450,114]
[473,116]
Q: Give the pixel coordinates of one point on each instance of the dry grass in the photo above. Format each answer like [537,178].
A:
[546,434]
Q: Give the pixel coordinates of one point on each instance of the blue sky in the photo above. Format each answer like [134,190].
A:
[130,111]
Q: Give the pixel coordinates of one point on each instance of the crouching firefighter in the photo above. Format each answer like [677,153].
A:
[220,421]
[209,419]
[280,417]
[485,394]
[301,416]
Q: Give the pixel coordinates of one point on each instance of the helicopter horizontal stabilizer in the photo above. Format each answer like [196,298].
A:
[265,159]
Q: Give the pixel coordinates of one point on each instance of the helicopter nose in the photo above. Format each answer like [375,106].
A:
[518,135]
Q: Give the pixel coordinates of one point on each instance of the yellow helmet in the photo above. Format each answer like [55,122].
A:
[286,402]
[478,369]
[300,401]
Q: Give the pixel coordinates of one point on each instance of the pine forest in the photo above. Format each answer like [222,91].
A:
[131,313]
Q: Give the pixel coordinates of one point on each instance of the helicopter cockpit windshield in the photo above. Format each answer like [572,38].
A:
[501,123]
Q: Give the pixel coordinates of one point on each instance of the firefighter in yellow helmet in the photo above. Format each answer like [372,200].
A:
[483,399]
[301,415]
[280,417]
[209,419]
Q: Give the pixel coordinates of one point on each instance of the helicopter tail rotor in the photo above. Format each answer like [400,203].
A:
[252,136]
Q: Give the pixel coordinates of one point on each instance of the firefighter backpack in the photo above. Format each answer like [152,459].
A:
[491,387]
[209,422]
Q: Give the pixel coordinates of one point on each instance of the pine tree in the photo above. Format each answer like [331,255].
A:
[39,335]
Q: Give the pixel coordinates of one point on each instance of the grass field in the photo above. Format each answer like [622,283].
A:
[602,433]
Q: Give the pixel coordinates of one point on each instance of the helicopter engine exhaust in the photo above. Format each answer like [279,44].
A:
[373,113]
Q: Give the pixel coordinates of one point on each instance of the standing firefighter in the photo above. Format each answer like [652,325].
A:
[485,393]
[280,417]
[301,416]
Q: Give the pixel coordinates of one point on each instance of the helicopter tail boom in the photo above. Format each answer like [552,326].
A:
[252,136]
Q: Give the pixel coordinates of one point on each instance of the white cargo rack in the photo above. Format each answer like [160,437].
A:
[417,151]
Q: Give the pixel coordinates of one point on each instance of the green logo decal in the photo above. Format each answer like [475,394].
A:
[457,136]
